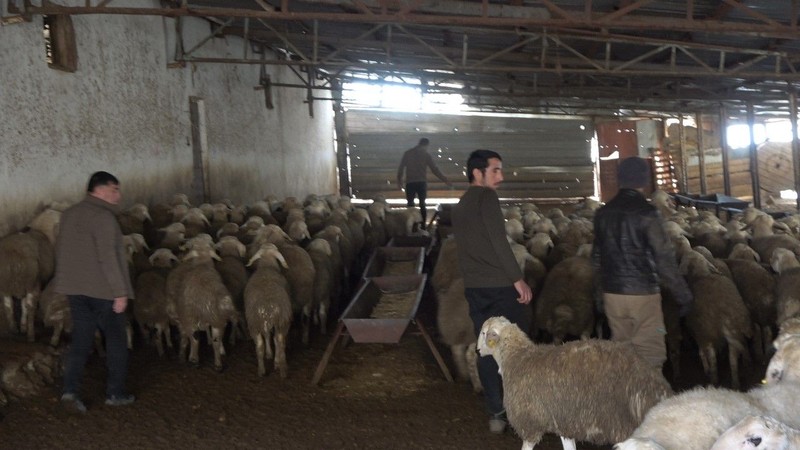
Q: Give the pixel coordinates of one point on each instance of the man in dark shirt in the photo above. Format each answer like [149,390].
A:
[631,255]
[494,284]
[415,162]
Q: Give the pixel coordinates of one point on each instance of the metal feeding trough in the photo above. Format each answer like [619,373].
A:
[412,241]
[395,261]
[380,313]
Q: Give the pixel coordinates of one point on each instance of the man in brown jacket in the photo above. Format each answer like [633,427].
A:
[415,162]
[92,270]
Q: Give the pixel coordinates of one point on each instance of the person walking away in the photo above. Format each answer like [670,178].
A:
[415,163]
[92,270]
[631,255]
[494,284]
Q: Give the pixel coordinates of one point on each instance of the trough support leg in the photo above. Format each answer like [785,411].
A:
[435,352]
[327,355]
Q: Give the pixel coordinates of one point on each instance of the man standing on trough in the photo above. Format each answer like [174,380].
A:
[631,253]
[494,284]
[416,162]
[92,270]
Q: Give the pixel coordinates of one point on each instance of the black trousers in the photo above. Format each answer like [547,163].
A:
[485,303]
[418,189]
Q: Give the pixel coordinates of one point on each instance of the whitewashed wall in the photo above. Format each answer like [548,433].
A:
[126,112]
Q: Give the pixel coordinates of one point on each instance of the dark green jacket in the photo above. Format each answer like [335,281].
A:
[484,253]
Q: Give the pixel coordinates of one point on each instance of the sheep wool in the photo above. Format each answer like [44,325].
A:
[594,391]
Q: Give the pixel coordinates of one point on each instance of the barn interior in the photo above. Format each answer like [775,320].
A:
[238,100]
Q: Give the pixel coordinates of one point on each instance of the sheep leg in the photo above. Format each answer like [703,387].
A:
[184,346]
[57,329]
[28,315]
[268,342]
[8,306]
[767,339]
[758,345]
[472,363]
[159,344]
[708,357]
[219,347]
[260,354]
[165,330]
[735,350]
[129,334]
[280,354]
[459,353]
[194,348]
[568,444]
[323,319]
[305,320]
[145,333]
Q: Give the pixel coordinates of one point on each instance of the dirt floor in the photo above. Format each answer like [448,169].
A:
[371,396]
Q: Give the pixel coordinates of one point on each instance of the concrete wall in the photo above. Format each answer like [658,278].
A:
[126,112]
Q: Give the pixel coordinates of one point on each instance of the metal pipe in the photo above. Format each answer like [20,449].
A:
[795,143]
[701,154]
[723,142]
[751,119]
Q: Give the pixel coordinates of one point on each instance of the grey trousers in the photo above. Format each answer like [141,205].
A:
[638,319]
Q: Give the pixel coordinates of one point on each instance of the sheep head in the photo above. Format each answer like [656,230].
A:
[492,335]
[140,212]
[784,366]
[47,223]
[320,245]
[783,259]
[270,254]
[230,245]
[639,444]
[180,199]
[298,230]
[743,251]
[162,257]
[758,432]
[695,265]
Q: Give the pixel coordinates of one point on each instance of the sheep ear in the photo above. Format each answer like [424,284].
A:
[281,260]
[255,257]
[190,255]
[241,249]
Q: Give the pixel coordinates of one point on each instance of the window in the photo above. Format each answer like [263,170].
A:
[61,51]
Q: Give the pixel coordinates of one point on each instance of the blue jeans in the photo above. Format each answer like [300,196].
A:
[89,314]
[485,303]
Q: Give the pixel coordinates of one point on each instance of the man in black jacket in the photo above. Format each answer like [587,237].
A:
[631,255]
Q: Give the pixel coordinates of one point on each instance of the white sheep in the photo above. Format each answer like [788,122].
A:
[595,391]
[53,308]
[151,311]
[784,366]
[320,252]
[200,301]
[540,245]
[759,433]
[514,230]
[765,241]
[718,316]
[457,330]
[691,420]
[27,261]
[268,309]
[787,287]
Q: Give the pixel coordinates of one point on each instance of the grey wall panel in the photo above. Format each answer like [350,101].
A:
[542,157]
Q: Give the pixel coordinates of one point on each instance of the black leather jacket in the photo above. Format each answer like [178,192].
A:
[632,252]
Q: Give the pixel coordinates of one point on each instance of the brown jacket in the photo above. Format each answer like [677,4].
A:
[90,256]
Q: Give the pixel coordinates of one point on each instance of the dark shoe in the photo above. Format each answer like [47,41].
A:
[120,400]
[72,403]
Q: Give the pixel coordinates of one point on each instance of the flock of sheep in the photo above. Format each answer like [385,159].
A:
[260,270]
[219,268]
[745,278]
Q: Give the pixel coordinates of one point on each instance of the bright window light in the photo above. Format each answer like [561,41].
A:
[789,194]
[779,131]
[739,135]
[399,97]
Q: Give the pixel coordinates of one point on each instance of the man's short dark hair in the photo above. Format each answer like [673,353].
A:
[479,159]
[101,179]
[424,141]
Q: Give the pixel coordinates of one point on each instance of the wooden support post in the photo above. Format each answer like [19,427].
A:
[684,159]
[751,119]
[701,154]
[723,143]
[340,127]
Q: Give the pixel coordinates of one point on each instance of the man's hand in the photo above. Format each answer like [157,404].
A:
[120,303]
[525,293]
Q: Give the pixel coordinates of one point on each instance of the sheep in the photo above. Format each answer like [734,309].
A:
[298,230]
[718,315]
[173,236]
[457,330]
[663,202]
[540,245]
[377,217]
[779,400]
[514,230]
[787,287]
[268,309]
[765,241]
[565,305]
[757,287]
[446,269]
[234,275]
[201,301]
[691,420]
[789,329]
[320,252]
[332,234]
[574,390]
[53,308]
[758,432]
[195,222]
[228,229]
[133,219]
[784,366]
[180,199]
[27,262]
[262,210]
[401,222]
[718,263]
[512,212]
[151,298]
[742,251]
